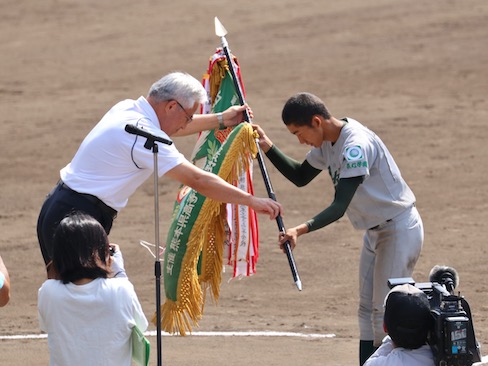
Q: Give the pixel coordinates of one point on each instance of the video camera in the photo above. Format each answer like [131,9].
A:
[452,340]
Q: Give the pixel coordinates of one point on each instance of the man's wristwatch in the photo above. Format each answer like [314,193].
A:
[220,118]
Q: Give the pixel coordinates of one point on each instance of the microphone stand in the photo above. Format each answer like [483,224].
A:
[151,144]
[157,263]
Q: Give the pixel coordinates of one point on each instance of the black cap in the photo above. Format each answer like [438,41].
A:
[407,316]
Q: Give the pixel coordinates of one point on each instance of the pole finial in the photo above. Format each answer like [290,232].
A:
[220,31]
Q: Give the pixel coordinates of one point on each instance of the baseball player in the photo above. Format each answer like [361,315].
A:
[368,187]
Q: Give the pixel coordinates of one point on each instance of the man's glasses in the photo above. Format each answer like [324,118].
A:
[188,117]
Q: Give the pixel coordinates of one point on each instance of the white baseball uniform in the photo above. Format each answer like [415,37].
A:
[384,206]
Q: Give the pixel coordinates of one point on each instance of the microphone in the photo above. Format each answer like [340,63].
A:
[446,276]
[134,130]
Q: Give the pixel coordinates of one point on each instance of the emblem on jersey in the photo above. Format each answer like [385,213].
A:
[354,153]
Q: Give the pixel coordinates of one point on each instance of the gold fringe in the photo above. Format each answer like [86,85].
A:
[212,256]
[217,74]
[236,162]
[181,315]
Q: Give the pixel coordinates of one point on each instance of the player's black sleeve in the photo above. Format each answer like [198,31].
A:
[299,174]
[345,190]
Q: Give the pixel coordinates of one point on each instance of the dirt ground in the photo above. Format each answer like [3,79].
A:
[413,71]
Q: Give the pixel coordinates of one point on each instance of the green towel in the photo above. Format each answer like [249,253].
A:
[140,347]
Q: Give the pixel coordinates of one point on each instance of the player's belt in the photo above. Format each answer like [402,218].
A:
[107,210]
[377,226]
[389,220]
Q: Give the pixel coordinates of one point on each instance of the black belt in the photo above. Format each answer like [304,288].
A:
[377,226]
[107,210]
[383,223]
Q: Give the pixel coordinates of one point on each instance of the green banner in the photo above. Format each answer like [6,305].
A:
[226,97]
[186,211]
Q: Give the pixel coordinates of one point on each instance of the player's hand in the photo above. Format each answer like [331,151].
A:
[266,206]
[264,142]
[291,236]
[235,115]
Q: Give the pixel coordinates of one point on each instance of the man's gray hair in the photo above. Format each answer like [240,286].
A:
[179,86]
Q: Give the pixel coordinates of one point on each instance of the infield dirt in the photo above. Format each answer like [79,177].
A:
[415,72]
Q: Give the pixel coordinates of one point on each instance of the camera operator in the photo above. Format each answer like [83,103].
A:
[407,321]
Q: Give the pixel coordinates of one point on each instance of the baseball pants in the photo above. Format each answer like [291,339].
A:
[390,250]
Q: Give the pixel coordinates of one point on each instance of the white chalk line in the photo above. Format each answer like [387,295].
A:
[153,333]
[214,334]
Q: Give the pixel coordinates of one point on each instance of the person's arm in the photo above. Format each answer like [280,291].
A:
[232,116]
[299,174]
[345,190]
[212,186]
[139,316]
[4,284]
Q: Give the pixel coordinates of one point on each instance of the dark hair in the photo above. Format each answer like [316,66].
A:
[407,318]
[80,248]
[300,108]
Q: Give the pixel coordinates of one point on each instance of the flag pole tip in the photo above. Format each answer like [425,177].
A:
[219,28]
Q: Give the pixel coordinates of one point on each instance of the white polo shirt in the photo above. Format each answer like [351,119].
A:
[359,152]
[111,163]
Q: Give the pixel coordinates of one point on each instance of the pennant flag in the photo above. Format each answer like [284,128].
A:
[204,233]
[242,240]
[196,235]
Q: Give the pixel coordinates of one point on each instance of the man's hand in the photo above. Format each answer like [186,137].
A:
[266,206]
[235,115]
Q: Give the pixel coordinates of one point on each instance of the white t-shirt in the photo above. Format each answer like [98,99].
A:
[90,324]
[111,163]
[387,355]
[359,152]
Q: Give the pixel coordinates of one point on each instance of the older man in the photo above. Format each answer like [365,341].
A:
[111,164]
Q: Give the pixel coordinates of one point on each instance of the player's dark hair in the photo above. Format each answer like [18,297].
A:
[300,109]
[408,319]
[81,248]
